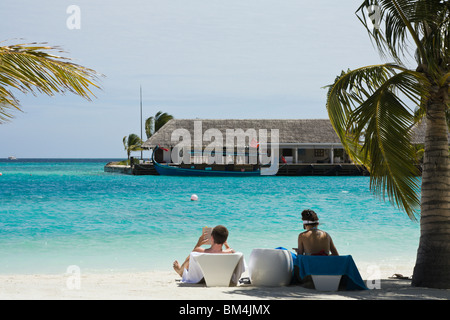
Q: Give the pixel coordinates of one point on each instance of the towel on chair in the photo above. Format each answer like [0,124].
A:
[331,265]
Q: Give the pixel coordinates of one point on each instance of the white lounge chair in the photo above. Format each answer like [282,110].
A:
[270,267]
[219,270]
[326,282]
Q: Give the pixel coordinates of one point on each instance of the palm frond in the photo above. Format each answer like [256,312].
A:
[30,68]
[390,37]
[149,125]
[133,142]
[374,125]
[425,22]
[161,118]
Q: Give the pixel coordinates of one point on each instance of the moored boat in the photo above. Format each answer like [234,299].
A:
[210,170]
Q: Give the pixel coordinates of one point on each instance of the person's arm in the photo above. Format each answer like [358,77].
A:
[333,249]
[201,241]
[300,247]
[228,249]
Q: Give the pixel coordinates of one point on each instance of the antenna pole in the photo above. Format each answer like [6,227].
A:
[140,87]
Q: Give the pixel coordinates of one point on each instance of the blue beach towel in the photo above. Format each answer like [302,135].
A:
[294,256]
[331,265]
[294,259]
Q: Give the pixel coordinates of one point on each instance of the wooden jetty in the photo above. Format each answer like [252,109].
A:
[315,169]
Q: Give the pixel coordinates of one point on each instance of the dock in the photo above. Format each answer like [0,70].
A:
[322,169]
[145,169]
[314,169]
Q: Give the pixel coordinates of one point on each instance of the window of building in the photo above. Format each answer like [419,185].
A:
[319,153]
[339,153]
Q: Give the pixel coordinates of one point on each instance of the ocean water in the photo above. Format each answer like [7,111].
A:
[60,212]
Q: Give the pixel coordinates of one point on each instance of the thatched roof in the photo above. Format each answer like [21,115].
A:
[418,133]
[299,131]
[309,131]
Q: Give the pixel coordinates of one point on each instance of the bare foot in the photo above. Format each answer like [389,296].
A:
[177,268]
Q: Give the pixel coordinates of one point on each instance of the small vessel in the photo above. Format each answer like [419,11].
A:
[211,170]
[12,158]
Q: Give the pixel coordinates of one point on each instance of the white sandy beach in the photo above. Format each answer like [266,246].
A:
[165,285]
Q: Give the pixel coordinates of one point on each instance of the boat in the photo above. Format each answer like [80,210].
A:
[12,158]
[211,170]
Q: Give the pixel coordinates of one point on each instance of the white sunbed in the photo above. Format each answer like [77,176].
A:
[218,269]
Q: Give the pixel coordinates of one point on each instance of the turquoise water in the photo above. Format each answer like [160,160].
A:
[56,213]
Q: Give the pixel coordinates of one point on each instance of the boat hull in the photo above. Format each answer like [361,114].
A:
[166,170]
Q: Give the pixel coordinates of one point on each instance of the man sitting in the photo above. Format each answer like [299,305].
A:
[219,236]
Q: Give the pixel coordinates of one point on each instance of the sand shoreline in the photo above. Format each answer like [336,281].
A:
[165,285]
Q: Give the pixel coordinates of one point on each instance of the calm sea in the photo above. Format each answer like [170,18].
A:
[61,212]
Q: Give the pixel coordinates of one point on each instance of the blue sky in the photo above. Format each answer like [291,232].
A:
[193,58]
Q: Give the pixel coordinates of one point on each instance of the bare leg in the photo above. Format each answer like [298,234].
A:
[179,269]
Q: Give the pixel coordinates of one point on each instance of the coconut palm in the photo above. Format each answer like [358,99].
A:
[131,143]
[374,109]
[31,68]
[153,124]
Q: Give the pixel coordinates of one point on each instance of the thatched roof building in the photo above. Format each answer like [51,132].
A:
[300,140]
[292,131]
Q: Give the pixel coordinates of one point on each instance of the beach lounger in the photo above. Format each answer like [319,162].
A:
[218,270]
[270,267]
[327,271]
[326,282]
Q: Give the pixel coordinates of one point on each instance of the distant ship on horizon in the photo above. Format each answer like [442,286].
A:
[12,158]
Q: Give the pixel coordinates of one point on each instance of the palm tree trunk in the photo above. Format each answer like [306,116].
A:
[432,267]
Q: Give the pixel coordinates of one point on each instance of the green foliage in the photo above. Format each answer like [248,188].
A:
[131,143]
[30,68]
[374,109]
[153,124]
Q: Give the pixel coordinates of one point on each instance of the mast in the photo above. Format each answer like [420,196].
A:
[140,91]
